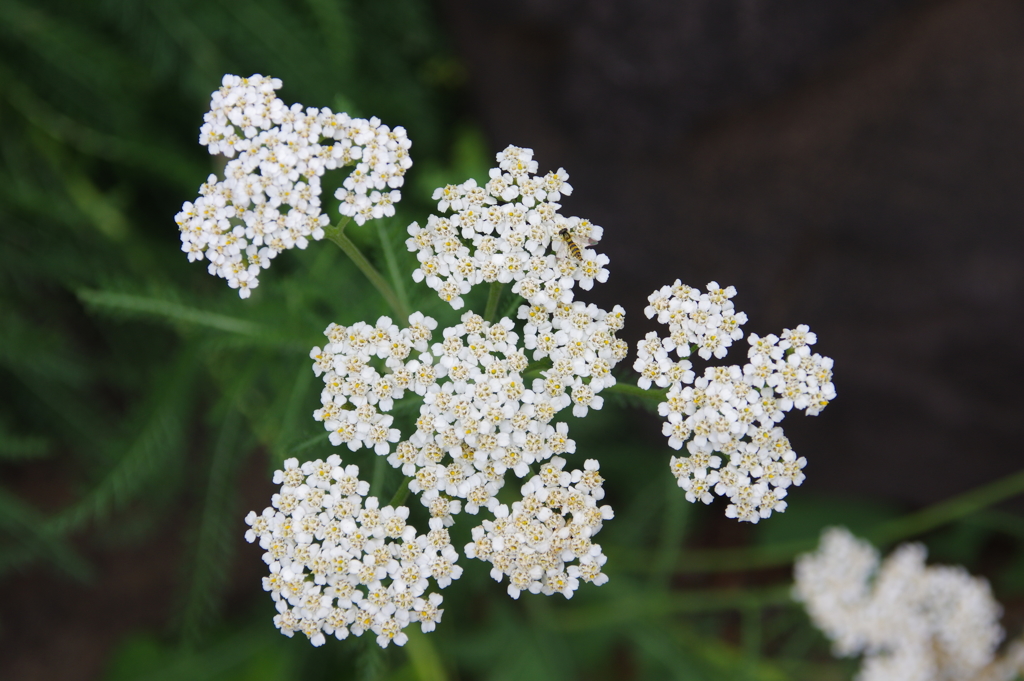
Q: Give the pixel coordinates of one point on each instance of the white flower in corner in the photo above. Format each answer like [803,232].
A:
[911,622]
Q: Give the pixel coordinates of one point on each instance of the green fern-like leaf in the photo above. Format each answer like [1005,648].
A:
[31,539]
[168,311]
[214,544]
[158,439]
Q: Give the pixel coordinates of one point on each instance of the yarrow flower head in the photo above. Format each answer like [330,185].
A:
[508,230]
[579,340]
[479,418]
[482,421]
[478,421]
[730,413]
[269,199]
[911,622]
[551,526]
[365,369]
[340,564]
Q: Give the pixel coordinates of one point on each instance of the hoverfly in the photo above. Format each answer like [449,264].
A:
[570,244]
[577,235]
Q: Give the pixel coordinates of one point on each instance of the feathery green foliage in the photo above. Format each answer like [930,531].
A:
[214,542]
[170,312]
[116,354]
[154,449]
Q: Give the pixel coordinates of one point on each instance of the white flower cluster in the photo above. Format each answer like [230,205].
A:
[708,321]
[478,419]
[731,410]
[503,231]
[579,341]
[482,421]
[356,393]
[911,622]
[340,564]
[269,199]
[533,542]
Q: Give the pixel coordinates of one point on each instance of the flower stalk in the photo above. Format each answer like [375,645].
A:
[493,297]
[336,234]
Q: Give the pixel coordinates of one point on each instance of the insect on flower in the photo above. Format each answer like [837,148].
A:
[570,244]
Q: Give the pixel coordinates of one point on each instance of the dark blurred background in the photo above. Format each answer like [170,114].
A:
[857,167]
[853,166]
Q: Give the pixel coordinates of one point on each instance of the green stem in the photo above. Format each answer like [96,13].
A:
[392,263]
[675,522]
[947,511]
[714,560]
[336,233]
[426,661]
[379,469]
[371,664]
[513,306]
[401,494]
[294,406]
[493,296]
[533,369]
[673,603]
[655,394]
[889,532]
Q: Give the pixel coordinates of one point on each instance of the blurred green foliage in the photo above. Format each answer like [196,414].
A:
[133,379]
[135,387]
